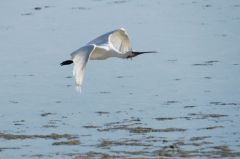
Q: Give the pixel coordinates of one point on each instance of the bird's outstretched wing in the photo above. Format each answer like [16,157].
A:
[117,39]
[102,39]
[80,58]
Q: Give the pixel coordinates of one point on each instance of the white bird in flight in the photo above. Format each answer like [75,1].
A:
[112,44]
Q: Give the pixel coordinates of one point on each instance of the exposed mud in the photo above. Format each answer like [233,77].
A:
[8,136]
[147,130]
[214,152]
[126,142]
[69,142]
[207,63]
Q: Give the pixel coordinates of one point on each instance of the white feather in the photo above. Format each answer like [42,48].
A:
[112,44]
[80,58]
[118,40]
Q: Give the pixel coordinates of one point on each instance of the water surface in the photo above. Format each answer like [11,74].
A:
[181,102]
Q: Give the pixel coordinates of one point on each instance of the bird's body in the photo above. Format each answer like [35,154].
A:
[112,44]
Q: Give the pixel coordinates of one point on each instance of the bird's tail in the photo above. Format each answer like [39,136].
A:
[67,62]
[142,52]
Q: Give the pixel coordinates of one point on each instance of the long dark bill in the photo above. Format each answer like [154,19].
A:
[142,52]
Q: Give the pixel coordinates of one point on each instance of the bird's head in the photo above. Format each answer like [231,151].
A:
[130,55]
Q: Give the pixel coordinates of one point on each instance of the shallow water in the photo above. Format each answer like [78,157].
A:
[182,102]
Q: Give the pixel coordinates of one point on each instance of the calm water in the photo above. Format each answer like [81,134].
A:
[182,102]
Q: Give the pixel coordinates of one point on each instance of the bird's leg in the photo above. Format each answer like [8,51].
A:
[130,57]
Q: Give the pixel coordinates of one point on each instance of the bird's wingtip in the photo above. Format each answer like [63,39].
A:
[123,29]
[79,88]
